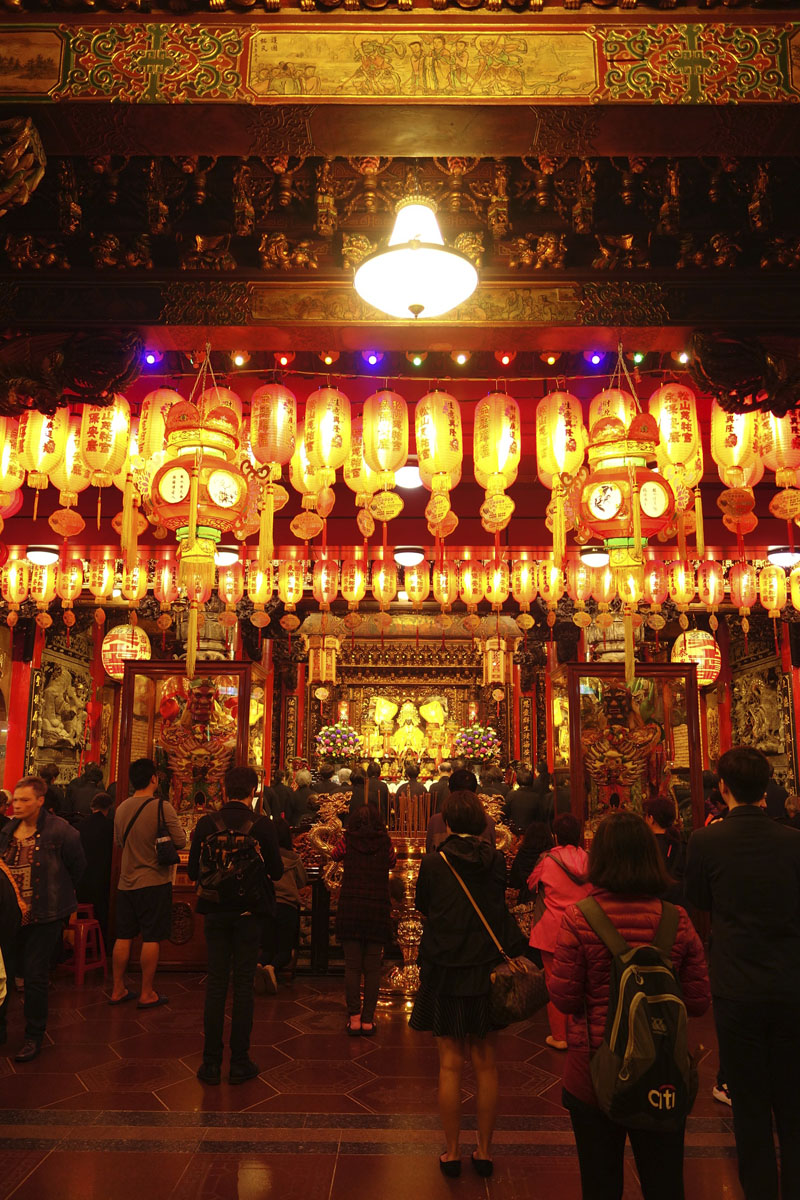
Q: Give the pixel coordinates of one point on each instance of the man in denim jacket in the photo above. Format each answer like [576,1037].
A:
[45,857]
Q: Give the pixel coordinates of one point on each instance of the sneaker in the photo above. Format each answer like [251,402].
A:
[270,979]
[209,1072]
[242,1071]
[720,1092]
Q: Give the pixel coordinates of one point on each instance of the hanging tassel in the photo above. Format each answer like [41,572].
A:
[266,549]
[630,661]
[699,531]
[636,513]
[559,526]
[324,535]
[790,534]
[774,630]
[99,505]
[128,533]
[385,534]
[191,640]
[35,504]
[194,495]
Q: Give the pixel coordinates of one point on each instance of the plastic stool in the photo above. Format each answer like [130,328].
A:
[89,951]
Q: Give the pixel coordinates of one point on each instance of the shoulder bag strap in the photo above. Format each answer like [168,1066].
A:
[135,818]
[667,928]
[471,899]
[603,926]
[576,879]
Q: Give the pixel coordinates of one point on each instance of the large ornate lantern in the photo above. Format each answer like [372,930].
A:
[124,643]
[71,475]
[560,451]
[699,647]
[496,454]
[385,426]
[623,501]
[680,449]
[325,582]
[437,423]
[291,581]
[327,432]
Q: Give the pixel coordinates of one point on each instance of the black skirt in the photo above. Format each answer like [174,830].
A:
[450,1016]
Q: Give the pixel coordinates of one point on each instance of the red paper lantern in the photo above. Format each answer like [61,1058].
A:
[699,647]
[124,643]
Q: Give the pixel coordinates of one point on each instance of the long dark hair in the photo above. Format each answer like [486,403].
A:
[625,858]
[366,817]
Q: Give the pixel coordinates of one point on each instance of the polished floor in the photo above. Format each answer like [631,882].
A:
[111,1110]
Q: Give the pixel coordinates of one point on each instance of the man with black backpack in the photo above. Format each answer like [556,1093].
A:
[234,857]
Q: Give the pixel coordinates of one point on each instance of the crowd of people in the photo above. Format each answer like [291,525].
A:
[594,919]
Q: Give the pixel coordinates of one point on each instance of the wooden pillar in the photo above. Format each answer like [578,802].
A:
[98,679]
[301,708]
[548,700]
[269,690]
[724,689]
[516,693]
[18,709]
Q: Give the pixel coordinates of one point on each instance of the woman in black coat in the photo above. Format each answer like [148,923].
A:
[456,958]
[362,919]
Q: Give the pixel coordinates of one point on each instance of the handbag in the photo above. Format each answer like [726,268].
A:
[517,986]
[166,850]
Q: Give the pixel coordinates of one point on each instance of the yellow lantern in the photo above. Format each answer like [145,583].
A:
[743,580]
[322,649]
[710,584]
[100,582]
[361,479]
[580,582]
[681,587]
[772,590]
[385,424]
[551,581]
[497,584]
[654,592]
[679,453]
[327,431]
[41,440]
[134,581]
[273,440]
[291,580]
[417,582]
[445,588]
[496,454]
[309,483]
[325,582]
[732,444]
[560,437]
[12,472]
[353,582]
[612,402]
[104,438]
[43,591]
[152,422]
[71,475]
[630,586]
[472,586]
[230,589]
[560,450]
[384,583]
[69,585]
[259,591]
[523,583]
[15,585]
[794,587]
[165,583]
[437,423]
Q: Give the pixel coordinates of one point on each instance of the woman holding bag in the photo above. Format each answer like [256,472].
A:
[456,959]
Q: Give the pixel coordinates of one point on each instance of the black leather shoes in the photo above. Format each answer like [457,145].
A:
[30,1051]
[209,1072]
[242,1071]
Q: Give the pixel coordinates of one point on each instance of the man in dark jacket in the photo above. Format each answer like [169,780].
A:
[97,839]
[528,802]
[82,791]
[46,860]
[283,794]
[441,788]
[327,784]
[746,871]
[233,927]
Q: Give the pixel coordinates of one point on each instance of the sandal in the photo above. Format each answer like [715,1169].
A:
[450,1167]
[483,1166]
[367,1029]
[352,1030]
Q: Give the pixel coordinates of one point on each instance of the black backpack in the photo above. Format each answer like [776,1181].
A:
[642,1072]
[232,871]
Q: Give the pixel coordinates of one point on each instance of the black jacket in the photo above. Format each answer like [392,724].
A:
[235,814]
[97,838]
[456,953]
[746,870]
[58,864]
[526,804]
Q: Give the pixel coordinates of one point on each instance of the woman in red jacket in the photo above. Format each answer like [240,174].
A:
[628,877]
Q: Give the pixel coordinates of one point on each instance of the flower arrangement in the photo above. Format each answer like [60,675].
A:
[477,742]
[338,741]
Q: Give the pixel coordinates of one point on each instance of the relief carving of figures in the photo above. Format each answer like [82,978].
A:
[355,248]
[244,213]
[63,707]
[26,252]
[536,251]
[275,250]
[22,162]
[759,208]
[108,253]
[669,214]
[325,200]
[583,208]
[209,254]
[755,712]
[781,253]
[622,251]
[471,245]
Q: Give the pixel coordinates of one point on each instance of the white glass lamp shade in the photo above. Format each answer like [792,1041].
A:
[417,275]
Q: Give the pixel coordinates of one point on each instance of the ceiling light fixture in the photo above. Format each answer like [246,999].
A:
[505,357]
[329,357]
[416,357]
[595,556]
[782,556]
[284,357]
[226,556]
[42,556]
[240,358]
[461,357]
[408,477]
[409,556]
[416,275]
[550,357]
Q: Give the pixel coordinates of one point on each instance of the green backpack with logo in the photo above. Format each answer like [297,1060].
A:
[643,1073]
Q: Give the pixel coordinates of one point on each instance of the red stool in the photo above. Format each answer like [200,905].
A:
[89,951]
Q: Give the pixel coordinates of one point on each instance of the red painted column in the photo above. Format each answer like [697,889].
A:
[301,707]
[724,690]
[16,738]
[98,679]
[548,700]
[516,692]
[269,690]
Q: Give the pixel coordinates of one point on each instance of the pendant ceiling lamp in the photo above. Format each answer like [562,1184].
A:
[416,275]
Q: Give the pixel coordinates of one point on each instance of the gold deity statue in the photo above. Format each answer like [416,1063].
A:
[200,746]
[408,738]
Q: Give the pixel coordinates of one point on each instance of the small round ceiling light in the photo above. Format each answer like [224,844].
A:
[408,477]
[594,556]
[782,556]
[409,556]
[226,556]
[42,556]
